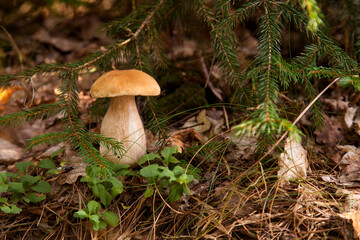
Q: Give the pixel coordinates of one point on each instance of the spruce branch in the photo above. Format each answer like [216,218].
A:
[80,65]
[156,50]
[325,44]
[49,139]
[72,124]
[239,15]
[43,111]
[110,143]
[269,49]
[224,44]
[298,119]
[157,125]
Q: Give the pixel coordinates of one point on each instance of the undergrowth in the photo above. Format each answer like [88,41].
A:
[229,193]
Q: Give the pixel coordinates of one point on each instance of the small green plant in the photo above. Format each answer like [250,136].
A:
[92,212]
[162,177]
[23,187]
[105,186]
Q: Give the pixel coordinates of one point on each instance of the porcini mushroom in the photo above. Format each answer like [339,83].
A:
[122,120]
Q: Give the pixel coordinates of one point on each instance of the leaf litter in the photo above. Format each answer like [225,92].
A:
[225,203]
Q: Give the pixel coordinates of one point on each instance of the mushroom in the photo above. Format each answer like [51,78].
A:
[122,120]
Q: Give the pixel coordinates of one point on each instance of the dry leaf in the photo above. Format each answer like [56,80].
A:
[200,123]
[217,121]
[331,134]
[185,49]
[76,168]
[63,44]
[9,152]
[349,116]
[350,165]
[355,217]
[352,207]
[184,139]
[293,162]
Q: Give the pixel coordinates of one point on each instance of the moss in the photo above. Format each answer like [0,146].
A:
[189,95]
[171,82]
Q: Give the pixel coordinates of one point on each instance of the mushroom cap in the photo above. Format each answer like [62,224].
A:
[124,83]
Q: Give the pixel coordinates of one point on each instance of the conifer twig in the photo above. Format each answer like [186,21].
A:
[298,118]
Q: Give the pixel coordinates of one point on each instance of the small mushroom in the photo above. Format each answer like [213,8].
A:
[122,120]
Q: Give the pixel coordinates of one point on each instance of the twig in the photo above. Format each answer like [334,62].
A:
[284,135]
[226,117]
[166,202]
[299,117]
[15,46]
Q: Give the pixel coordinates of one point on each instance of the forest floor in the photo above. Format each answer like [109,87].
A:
[235,196]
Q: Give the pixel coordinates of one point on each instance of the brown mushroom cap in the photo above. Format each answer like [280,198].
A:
[124,83]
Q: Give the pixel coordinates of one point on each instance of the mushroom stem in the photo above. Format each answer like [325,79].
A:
[122,122]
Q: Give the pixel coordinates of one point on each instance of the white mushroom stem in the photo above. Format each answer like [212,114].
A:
[122,122]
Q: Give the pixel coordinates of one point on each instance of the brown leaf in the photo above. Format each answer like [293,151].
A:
[331,134]
[200,123]
[9,152]
[350,165]
[355,217]
[63,44]
[184,139]
[293,162]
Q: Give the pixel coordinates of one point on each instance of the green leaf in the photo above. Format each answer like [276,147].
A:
[3,178]
[102,224]
[98,189]
[29,180]
[42,187]
[23,166]
[165,172]
[149,192]
[3,182]
[94,207]
[176,191]
[81,214]
[168,151]
[186,189]
[35,198]
[26,199]
[16,187]
[96,225]
[117,186]
[118,166]
[93,171]
[164,184]
[12,175]
[97,222]
[106,198]
[14,209]
[3,187]
[47,163]
[5,209]
[178,170]
[95,218]
[111,218]
[3,200]
[185,178]
[172,159]
[54,154]
[150,171]
[53,171]
[148,157]
[10,209]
